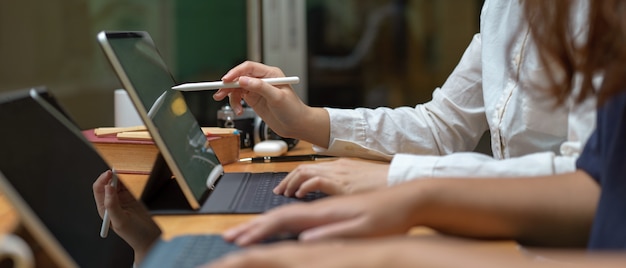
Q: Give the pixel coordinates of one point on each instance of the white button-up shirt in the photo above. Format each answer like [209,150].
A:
[496,87]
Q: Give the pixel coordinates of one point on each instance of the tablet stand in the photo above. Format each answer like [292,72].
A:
[162,194]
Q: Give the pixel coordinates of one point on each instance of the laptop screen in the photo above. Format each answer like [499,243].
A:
[52,167]
[148,81]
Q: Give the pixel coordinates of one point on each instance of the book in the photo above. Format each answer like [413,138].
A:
[134,151]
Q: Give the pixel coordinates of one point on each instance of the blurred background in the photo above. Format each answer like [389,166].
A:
[356,52]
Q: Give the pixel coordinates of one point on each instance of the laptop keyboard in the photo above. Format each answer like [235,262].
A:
[201,249]
[258,195]
[187,251]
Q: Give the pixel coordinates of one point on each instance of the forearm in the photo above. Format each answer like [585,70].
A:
[450,252]
[555,210]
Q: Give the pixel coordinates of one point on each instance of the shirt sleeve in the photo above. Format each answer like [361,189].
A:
[581,122]
[454,120]
[405,167]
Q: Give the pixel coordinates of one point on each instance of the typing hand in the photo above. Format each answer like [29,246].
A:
[364,253]
[343,176]
[383,212]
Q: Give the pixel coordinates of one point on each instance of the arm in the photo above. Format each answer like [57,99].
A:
[580,124]
[452,121]
[544,210]
[407,252]
[553,211]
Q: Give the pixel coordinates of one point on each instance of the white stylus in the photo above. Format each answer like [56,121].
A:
[106,222]
[219,84]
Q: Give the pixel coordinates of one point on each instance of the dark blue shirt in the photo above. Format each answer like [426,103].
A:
[604,158]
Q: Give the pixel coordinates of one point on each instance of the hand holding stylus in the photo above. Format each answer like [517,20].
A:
[106,221]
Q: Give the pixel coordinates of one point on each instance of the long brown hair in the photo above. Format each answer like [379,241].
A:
[602,52]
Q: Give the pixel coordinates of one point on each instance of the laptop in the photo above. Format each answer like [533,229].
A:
[52,168]
[200,184]
[46,172]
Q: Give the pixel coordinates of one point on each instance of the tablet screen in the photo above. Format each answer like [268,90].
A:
[172,125]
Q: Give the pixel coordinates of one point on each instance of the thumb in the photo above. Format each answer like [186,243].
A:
[258,86]
[111,202]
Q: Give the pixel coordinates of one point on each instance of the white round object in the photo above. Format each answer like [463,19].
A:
[270,148]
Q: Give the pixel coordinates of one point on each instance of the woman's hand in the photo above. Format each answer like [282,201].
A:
[279,107]
[385,212]
[129,218]
[342,176]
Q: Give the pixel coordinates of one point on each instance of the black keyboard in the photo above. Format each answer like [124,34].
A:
[258,193]
[188,251]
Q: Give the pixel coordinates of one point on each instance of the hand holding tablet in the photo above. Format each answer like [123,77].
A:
[219,84]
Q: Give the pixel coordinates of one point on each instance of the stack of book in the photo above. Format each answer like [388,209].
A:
[132,150]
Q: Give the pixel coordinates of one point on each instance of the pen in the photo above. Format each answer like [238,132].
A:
[219,84]
[106,221]
[286,158]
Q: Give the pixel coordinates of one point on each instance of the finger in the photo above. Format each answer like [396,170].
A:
[267,91]
[280,188]
[233,233]
[322,184]
[293,175]
[234,98]
[112,204]
[221,94]
[98,190]
[288,219]
[254,69]
[304,173]
[282,185]
[342,229]
[258,231]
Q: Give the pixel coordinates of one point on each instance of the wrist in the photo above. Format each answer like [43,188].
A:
[422,200]
[315,126]
[141,250]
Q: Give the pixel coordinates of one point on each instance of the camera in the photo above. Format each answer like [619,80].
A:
[252,129]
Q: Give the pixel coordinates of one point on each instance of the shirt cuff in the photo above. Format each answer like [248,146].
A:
[347,124]
[406,167]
